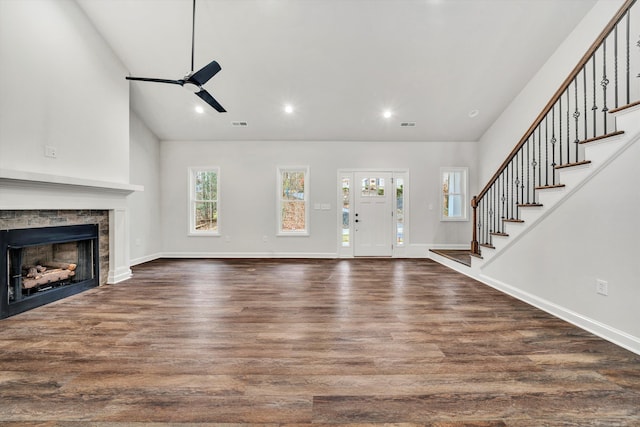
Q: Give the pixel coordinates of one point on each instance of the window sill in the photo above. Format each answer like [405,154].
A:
[203,234]
[293,234]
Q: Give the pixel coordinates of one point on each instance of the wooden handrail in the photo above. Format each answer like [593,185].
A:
[578,68]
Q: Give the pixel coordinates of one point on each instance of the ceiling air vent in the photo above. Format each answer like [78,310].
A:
[239,124]
[408,124]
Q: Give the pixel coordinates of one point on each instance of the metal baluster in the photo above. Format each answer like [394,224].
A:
[517,184]
[534,163]
[546,150]
[510,205]
[584,88]
[480,219]
[560,129]
[495,205]
[539,160]
[553,145]
[568,125]
[604,83]
[492,196]
[615,64]
[576,114]
[628,56]
[521,189]
[487,224]
[528,170]
[595,105]
[503,199]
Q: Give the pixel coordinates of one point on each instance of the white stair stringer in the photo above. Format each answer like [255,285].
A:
[599,153]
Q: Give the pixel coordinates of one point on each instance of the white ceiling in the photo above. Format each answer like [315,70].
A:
[340,63]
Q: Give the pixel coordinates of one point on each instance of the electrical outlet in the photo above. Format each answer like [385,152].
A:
[602,287]
[50,151]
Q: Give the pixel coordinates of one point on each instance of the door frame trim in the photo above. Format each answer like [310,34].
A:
[399,251]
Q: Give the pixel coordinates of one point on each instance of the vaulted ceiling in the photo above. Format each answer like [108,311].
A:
[339,63]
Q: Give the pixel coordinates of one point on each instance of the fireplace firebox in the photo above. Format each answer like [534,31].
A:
[42,265]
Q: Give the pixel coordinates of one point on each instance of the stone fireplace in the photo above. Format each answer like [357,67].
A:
[31,200]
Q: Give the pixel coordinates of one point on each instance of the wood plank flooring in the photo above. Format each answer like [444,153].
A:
[302,342]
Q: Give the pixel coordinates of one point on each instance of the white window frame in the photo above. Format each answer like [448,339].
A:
[192,201]
[279,200]
[464,193]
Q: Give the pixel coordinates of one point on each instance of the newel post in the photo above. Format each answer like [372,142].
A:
[475,248]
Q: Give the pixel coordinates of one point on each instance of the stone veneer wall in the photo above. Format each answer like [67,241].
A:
[10,219]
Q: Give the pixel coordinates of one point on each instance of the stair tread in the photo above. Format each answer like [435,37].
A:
[530,205]
[475,255]
[601,137]
[547,187]
[569,165]
[624,107]
[487,245]
[499,234]
[513,220]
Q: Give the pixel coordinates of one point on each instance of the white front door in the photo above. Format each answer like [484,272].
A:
[373,214]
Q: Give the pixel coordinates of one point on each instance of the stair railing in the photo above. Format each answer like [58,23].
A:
[578,112]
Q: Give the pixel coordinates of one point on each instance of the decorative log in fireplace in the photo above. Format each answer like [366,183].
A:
[42,265]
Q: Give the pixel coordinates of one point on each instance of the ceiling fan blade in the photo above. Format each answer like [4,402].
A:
[145,79]
[205,73]
[206,97]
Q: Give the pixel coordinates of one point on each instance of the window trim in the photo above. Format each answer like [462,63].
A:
[192,200]
[280,170]
[464,193]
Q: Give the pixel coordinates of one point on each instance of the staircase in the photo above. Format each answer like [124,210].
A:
[598,153]
[592,118]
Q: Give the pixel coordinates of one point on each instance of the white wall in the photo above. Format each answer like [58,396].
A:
[593,235]
[61,86]
[498,141]
[248,192]
[144,207]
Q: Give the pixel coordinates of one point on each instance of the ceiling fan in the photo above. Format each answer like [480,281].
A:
[193,81]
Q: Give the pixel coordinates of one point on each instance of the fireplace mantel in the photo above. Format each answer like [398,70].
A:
[40,179]
[22,190]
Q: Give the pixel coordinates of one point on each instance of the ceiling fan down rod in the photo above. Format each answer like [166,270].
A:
[193,31]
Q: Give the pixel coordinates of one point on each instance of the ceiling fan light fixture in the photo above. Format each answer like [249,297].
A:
[191,87]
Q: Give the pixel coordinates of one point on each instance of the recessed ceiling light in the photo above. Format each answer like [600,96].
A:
[288,108]
[199,109]
[474,113]
[387,114]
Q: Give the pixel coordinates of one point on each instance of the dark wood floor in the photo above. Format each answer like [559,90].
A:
[198,342]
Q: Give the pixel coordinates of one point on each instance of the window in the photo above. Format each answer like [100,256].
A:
[454,194]
[203,201]
[345,230]
[399,211]
[372,187]
[293,201]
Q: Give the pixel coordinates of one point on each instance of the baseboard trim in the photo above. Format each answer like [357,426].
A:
[611,334]
[119,275]
[146,258]
[606,332]
[301,255]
